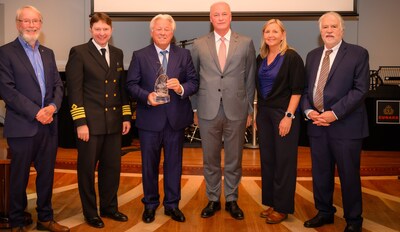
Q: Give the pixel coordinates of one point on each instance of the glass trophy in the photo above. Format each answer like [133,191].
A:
[160,87]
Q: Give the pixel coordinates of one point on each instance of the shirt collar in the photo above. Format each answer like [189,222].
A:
[159,49]
[100,47]
[335,48]
[26,44]
[227,36]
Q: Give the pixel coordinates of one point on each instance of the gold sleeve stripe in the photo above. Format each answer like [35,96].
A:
[77,113]
[126,110]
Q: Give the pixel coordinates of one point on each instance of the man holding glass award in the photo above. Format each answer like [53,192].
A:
[161,77]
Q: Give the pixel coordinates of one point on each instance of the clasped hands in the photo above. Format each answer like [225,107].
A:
[323,119]
[172,83]
[45,114]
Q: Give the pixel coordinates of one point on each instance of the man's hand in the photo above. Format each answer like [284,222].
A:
[173,83]
[45,115]
[249,120]
[126,126]
[151,101]
[324,119]
[83,133]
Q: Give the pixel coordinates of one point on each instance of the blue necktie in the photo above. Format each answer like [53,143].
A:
[164,61]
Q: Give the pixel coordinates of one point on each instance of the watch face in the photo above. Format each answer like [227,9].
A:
[289,115]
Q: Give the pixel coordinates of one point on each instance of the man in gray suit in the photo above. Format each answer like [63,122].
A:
[225,62]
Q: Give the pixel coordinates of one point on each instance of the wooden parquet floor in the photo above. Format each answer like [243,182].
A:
[381,197]
[380,186]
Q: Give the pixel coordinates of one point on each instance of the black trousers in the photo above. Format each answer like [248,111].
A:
[278,157]
[103,152]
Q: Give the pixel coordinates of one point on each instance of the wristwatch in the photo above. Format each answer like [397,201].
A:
[290,115]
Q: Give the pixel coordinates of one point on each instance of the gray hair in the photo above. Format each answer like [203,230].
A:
[19,11]
[163,16]
[334,14]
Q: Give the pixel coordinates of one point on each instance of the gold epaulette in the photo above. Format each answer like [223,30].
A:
[126,110]
[77,112]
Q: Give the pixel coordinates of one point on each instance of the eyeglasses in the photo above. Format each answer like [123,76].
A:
[29,21]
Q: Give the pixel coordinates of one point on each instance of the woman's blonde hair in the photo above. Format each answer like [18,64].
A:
[283,47]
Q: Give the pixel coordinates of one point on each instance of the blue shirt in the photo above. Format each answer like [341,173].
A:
[267,74]
[37,64]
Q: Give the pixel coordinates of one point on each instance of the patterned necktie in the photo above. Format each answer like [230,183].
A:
[103,53]
[323,77]
[222,53]
[164,61]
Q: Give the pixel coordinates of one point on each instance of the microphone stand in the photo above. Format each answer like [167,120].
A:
[183,43]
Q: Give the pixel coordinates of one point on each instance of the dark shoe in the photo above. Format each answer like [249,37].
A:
[148,215]
[117,216]
[27,218]
[210,209]
[318,221]
[276,217]
[175,214]
[19,229]
[353,228]
[233,208]
[266,212]
[51,226]
[95,222]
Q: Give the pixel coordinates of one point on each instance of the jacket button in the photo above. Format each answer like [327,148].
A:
[114,108]
[115,94]
[106,81]
[106,95]
[106,109]
[222,77]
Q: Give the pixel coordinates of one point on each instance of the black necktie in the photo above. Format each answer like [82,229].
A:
[103,53]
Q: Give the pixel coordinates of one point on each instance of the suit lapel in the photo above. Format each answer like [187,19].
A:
[25,60]
[172,63]
[233,44]
[114,63]
[97,56]
[339,57]
[46,60]
[153,60]
[315,65]
[212,48]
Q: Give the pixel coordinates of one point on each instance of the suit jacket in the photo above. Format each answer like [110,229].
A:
[142,74]
[19,88]
[235,85]
[96,92]
[344,93]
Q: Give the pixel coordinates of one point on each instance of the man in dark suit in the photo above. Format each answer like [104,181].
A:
[32,90]
[161,125]
[334,105]
[224,105]
[101,113]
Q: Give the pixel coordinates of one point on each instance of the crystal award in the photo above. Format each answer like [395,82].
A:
[160,87]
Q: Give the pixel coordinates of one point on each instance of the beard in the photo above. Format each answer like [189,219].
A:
[31,39]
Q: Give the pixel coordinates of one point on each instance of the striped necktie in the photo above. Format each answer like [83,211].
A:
[323,77]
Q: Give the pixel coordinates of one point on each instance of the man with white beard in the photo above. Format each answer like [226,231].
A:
[32,89]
